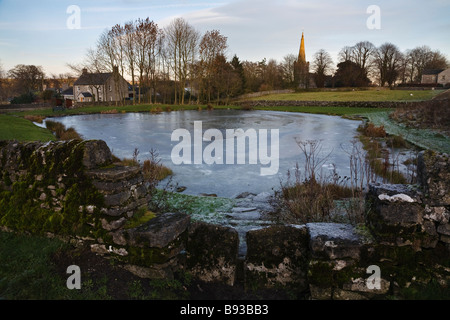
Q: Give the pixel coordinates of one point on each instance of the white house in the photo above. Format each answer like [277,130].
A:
[93,87]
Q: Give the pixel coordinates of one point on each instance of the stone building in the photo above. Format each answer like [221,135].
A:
[93,87]
[444,77]
[436,76]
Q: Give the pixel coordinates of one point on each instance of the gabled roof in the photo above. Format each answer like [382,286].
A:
[432,71]
[87,79]
[86,94]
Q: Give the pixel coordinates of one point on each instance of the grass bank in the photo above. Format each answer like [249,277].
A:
[333,111]
[357,95]
[423,138]
[17,128]
[338,111]
[107,110]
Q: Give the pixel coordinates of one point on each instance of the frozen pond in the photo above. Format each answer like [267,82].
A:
[145,131]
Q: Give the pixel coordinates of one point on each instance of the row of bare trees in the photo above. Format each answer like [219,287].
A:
[177,64]
[176,60]
[386,64]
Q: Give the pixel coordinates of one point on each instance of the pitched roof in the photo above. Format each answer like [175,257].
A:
[92,79]
[432,71]
[86,94]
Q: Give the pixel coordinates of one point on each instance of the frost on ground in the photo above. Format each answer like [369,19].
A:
[423,138]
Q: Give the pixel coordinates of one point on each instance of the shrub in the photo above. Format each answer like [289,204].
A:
[311,197]
[33,118]
[156,110]
[370,130]
[153,170]
[395,141]
[24,99]
[70,134]
[60,130]
[112,111]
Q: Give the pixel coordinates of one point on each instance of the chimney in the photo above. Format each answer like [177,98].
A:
[84,71]
[115,69]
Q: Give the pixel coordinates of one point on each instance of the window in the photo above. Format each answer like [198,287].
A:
[78,88]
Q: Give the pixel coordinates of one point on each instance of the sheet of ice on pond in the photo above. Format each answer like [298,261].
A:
[145,131]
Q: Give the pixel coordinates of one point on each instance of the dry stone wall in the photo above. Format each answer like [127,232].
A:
[67,188]
[73,189]
[312,103]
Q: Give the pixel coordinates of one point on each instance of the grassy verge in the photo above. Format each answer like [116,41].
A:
[26,271]
[16,128]
[334,111]
[337,111]
[357,95]
[423,138]
[109,110]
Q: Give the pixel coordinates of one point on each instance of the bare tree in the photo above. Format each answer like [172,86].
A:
[117,33]
[27,78]
[146,40]
[212,45]
[345,54]
[106,48]
[129,38]
[421,58]
[388,60]
[362,54]
[182,40]
[287,67]
[322,64]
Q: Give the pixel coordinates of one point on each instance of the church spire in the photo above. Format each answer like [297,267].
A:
[301,55]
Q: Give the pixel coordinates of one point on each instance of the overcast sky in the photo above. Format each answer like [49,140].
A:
[36,32]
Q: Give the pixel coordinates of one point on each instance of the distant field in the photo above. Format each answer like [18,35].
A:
[363,95]
[333,111]
[16,128]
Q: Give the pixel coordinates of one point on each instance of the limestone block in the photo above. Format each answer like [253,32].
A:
[158,232]
[277,255]
[118,199]
[96,154]
[334,241]
[212,252]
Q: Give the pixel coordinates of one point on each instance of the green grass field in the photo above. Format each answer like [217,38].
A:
[361,95]
[112,109]
[17,128]
[333,111]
